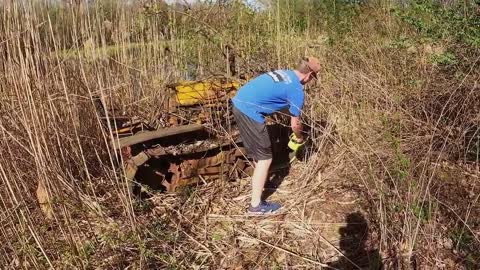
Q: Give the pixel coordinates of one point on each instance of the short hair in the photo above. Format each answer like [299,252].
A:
[303,66]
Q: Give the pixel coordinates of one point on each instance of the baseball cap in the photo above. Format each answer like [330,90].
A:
[313,64]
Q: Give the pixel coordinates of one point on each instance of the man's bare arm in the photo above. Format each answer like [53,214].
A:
[297,127]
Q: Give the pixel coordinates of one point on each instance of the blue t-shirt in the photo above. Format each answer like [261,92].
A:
[268,93]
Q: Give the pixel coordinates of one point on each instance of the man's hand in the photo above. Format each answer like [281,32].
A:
[295,139]
[295,143]
[297,128]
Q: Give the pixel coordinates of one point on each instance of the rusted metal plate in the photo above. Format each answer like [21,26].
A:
[190,171]
[156,134]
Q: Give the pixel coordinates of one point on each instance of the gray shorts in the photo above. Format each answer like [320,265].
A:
[254,135]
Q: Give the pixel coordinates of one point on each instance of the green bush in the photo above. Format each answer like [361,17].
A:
[434,21]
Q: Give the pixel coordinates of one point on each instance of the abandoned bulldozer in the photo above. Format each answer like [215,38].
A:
[197,140]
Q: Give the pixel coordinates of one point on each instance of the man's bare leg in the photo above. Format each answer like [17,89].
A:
[259,178]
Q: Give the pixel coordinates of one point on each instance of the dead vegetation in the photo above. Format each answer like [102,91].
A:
[392,182]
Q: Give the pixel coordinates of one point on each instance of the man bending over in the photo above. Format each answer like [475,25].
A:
[262,96]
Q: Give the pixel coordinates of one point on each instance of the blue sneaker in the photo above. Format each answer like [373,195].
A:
[264,208]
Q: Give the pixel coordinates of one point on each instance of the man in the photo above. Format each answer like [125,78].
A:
[264,95]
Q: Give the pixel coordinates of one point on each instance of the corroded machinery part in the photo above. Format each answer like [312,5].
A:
[226,164]
[191,139]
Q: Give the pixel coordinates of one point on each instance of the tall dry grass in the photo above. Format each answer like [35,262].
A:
[398,124]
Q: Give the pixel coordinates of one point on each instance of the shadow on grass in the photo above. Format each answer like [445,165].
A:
[353,244]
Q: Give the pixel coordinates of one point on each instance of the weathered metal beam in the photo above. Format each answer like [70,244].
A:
[156,134]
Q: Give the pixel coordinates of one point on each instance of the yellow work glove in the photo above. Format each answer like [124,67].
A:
[293,144]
